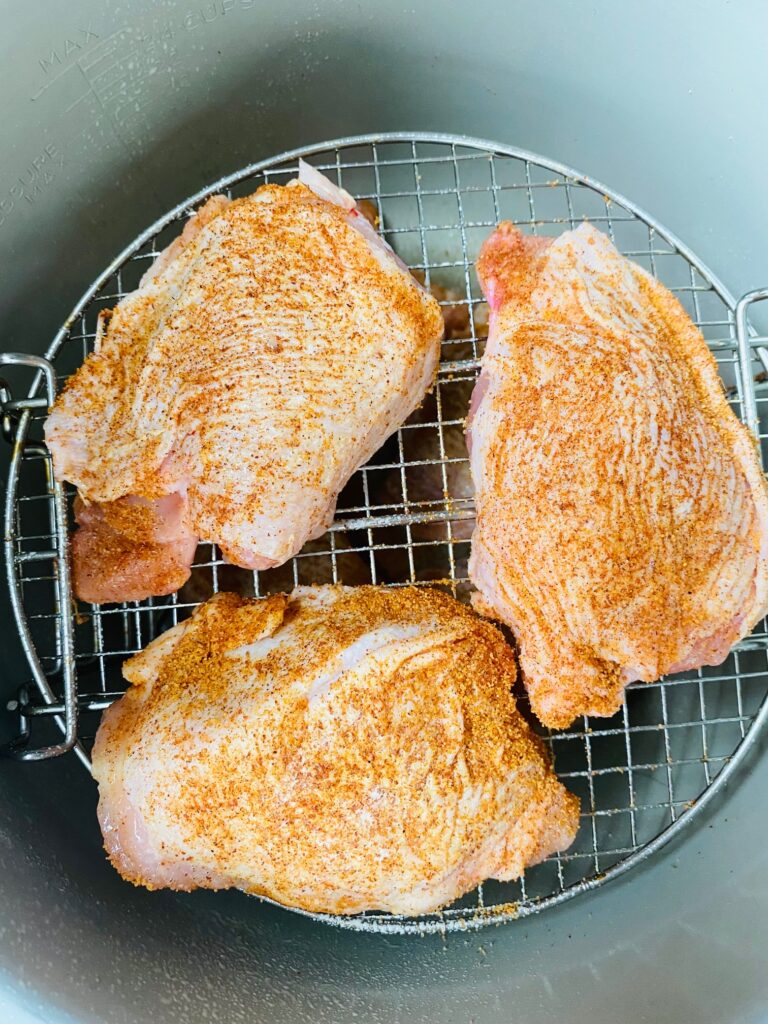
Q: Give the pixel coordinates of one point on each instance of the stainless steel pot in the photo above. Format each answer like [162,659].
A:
[111,115]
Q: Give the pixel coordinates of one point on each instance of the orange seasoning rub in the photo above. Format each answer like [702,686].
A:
[622,512]
[336,749]
[265,355]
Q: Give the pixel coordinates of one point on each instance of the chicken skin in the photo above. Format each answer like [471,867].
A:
[337,750]
[266,354]
[622,526]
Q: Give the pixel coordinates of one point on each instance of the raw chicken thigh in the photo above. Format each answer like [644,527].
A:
[622,513]
[266,354]
[337,750]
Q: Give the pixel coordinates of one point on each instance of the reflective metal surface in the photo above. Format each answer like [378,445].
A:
[665,101]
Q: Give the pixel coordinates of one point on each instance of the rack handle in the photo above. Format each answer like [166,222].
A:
[747,341]
[15,416]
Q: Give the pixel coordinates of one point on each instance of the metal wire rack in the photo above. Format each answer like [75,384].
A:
[406,516]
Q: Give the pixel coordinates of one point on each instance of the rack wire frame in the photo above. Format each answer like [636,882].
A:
[405,518]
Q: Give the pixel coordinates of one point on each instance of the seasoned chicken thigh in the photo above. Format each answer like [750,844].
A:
[266,354]
[338,750]
[622,524]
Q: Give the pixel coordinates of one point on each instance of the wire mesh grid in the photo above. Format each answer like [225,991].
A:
[406,517]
